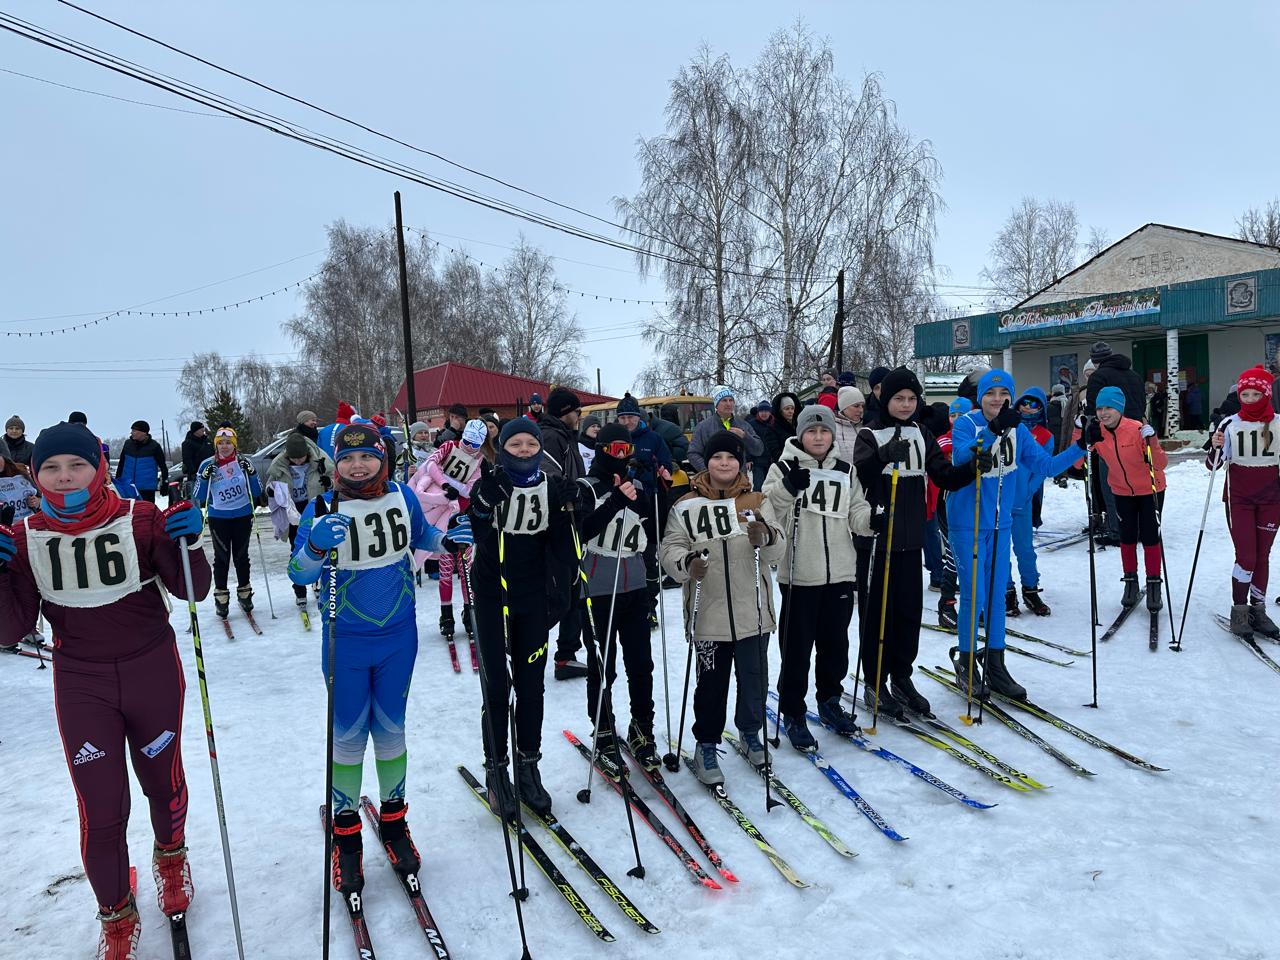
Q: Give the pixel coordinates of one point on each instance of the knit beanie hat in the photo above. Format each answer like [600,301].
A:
[535,399]
[196,425]
[604,464]
[141,425]
[295,446]
[848,396]
[15,421]
[1100,351]
[307,415]
[523,471]
[724,441]
[587,423]
[418,427]
[997,378]
[474,433]
[877,376]
[719,393]
[1058,390]
[1112,397]
[65,438]
[1089,367]
[458,410]
[960,406]
[764,406]
[815,415]
[562,401]
[518,425]
[847,379]
[345,412]
[1255,378]
[75,416]
[358,438]
[897,380]
[223,433]
[628,406]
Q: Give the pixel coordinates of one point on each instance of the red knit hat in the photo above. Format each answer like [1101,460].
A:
[378,420]
[345,412]
[1255,378]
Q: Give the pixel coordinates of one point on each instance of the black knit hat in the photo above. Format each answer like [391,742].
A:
[562,401]
[458,410]
[1100,351]
[628,406]
[141,425]
[898,380]
[877,376]
[75,416]
[66,438]
[724,441]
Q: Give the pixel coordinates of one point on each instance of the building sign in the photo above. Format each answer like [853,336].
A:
[1073,313]
[961,334]
[1242,295]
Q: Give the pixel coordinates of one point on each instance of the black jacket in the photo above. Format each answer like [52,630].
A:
[195,451]
[1117,370]
[671,434]
[560,456]
[20,449]
[781,428]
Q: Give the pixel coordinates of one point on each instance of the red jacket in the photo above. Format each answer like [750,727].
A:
[1122,451]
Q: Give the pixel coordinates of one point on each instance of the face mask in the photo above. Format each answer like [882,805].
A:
[523,471]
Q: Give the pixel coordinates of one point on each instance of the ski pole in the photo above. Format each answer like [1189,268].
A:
[786,613]
[512,729]
[769,802]
[262,560]
[332,655]
[1164,558]
[606,650]
[1093,575]
[884,587]
[991,579]
[967,719]
[518,893]
[1176,646]
[189,587]
[672,760]
[662,620]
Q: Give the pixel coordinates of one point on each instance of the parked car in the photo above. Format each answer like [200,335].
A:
[261,458]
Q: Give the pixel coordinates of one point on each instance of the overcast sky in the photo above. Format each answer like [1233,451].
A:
[1136,112]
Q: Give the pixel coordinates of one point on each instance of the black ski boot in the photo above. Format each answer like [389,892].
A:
[947,613]
[1241,621]
[960,663]
[570,669]
[244,597]
[348,853]
[1130,597]
[446,620]
[1154,600]
[393,830]
[608,754]
[1260,622]
[532,793]
[467,623]
[502,796]
[1031,597]
[643,747]
[221,603]
[835,716]
[890,706]
[905,690]
[998,678]
[1011,608]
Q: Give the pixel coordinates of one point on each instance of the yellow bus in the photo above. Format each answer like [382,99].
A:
[690,410]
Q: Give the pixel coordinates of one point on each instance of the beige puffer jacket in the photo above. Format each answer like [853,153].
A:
[727,597]
[824,543]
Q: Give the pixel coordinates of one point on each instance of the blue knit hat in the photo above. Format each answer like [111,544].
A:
[518,425]
[358,438]
[1112,397]
[960,406]
[996,378]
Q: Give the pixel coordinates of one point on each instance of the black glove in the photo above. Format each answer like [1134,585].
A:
[984,461]
[1007,419]
[1092,433]
[794,477]
[895,450]
[565,493]
[326,482]
[450,493]
[490,490]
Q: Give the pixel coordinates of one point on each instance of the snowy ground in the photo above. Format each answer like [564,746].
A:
[1127,865]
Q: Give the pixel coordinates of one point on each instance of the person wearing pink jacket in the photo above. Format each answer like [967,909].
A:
[443,486]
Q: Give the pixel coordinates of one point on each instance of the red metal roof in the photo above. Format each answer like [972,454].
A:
[450,383]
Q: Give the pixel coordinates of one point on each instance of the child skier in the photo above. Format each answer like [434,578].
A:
[898,451]
[710,547]
[229,489]
[117,676]
[443,485]
[1125,445]
[1249,442]
[993,436]
[298,474]
[811,486]
[1026,514]
[374,524]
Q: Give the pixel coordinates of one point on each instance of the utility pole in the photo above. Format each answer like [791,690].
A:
[837,336]
[412,413]
[598,390]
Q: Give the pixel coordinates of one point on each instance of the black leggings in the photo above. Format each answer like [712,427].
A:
[1138,520]
[716,661]
[816,618]
[526,636]
[631,632]
[230,544]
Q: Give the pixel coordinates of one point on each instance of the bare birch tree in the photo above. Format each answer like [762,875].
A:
[539,334]
[1260,224]
[1036,246]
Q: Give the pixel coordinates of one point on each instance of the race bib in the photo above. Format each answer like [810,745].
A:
[623,537]
[913,464]
[828,493]
[1247,448]
[298,482]
[378,534]
[459,467]
[91,569]
[528,510]
[13,493]
[229,489]
[706,520]
[1005,453]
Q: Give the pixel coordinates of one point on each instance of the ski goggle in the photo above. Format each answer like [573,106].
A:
[619,449]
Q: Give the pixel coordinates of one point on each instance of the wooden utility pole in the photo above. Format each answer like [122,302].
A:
[837,336]
[412,414]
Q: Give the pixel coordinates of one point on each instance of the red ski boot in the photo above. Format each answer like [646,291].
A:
[393,830]
[348,853]
[172,873]
[121,928]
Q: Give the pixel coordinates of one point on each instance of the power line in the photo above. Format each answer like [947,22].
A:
[108,96]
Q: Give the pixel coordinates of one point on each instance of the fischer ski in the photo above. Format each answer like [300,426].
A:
[949,731]
[544,862]
[794,802]
[355,908]
[252,622]
[628,793]
[453,654]
[747,827]
[1251,642]
[1021,729]
[673,803]
[412,889]
[841,784]
[475,655]
[178,936]
[601,879]
[939,628]
[1117,623]
[306,618]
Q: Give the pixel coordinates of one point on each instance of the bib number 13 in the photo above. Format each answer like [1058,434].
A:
[90,563]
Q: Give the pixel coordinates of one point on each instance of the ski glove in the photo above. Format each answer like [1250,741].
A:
[794,477]
[460,535]
[329,531]
[697,565]
[326,482]
[490,490]
[450,493]
[8,549]
[895,450]
[183,519]
[567,493]
[1148,430]
[758,533]
[1007,419]
[1092,433]
[984,461]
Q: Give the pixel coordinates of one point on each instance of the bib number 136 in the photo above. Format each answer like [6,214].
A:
[385,532]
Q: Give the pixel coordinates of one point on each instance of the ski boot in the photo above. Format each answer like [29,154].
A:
[532,793]
[1260,622]
[643,747]
[998,678]
[446,620]
[960,663]
[653,622]
[502,797]
[301,601]
[1130,597]
[244,597]
[1154,600]
[706,765]
[608,755]
[889,705]
[798,733]
[1011,608]
[121,928]
[172,873]
[1031,597]
[393,831]
[906,692]
[570,669]
[221,604]
[947,613]
[835,717]
[468,624]
[347,869]
[1241,621]
[751,742]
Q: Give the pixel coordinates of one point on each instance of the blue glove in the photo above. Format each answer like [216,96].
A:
[329,531]
[460,535]
[8,549]
[183,519]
